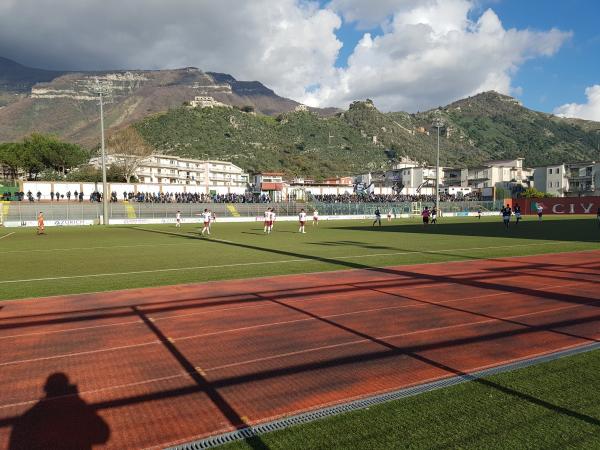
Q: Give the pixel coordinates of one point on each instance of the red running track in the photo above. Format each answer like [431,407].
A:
[160,366]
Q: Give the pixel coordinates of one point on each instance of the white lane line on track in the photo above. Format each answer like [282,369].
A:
[393,336]
[109,388]
[265,302]
[68,330]
[350,399]
[7,235]
[287,322]
[314,349]
[330,260]
[262,303]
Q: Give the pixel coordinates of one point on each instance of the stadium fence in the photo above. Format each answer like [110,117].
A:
[24,211]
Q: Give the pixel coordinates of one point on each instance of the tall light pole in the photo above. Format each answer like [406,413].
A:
[99,91]
[437,123]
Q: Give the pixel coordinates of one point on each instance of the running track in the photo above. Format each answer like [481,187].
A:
[160,366]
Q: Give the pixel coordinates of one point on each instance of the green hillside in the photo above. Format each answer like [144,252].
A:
[298,143]
[486,126]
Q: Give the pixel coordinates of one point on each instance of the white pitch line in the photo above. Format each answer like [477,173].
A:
[106,247]
[7,235]
[261,263]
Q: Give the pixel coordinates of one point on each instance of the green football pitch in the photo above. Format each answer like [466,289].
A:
[91,259]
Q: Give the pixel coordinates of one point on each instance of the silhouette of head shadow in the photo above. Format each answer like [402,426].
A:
[60,420]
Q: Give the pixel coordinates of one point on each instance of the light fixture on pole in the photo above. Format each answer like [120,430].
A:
[100,90]
[437,123]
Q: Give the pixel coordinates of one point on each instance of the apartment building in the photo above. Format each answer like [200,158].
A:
[214,176]
[410,178]
[568,179]
[508,174]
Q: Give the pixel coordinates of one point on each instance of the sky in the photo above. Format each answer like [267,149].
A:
[409,55]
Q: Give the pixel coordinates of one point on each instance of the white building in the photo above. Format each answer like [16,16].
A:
[568,180]
[507,174]
[206,102]
[414,179]
[210,176]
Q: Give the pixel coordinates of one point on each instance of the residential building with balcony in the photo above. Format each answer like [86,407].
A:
[568,179]
[582,179]
[207,176]
[507,174]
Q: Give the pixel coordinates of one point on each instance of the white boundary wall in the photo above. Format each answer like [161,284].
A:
[50,223]
[171,220]
[45,187]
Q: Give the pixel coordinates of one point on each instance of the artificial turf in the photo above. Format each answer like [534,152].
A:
[550,405]
[91,259]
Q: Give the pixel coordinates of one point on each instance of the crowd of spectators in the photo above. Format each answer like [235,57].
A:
[188,197]
[393,198]
[248,197]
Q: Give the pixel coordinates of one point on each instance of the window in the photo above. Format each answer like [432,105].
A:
[550,171]
[557,170]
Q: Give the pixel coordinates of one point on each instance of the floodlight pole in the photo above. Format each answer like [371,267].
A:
[104,184]
[437,124]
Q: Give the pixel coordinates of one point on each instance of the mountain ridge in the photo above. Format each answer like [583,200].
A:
[279,133]
[31,104]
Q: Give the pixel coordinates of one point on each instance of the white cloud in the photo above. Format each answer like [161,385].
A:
[372,12]
[432,54]
[589,110]
[286,44]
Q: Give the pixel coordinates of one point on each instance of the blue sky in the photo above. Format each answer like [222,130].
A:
[562,78]
[546,82]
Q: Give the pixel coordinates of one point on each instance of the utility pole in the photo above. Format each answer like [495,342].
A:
[99,91]
[437,124]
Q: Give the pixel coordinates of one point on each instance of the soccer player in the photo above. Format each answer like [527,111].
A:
[212,219]
[41,227]
[377,217]
[598,216]
[178,219]
[302,220]
[206,219]
[434,215]
[267,222]
[540,212]
[517,214]
[425,214]
[389,215]
[506,212]
[272,219]
[315,217]
[479,213]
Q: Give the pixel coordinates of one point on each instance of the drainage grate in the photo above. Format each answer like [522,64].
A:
[299,419]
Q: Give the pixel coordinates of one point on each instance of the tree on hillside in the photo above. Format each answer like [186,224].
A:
[10,159]
[51,153]
[130,149]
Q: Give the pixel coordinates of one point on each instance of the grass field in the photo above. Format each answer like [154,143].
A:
[91,259]
[551,405]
